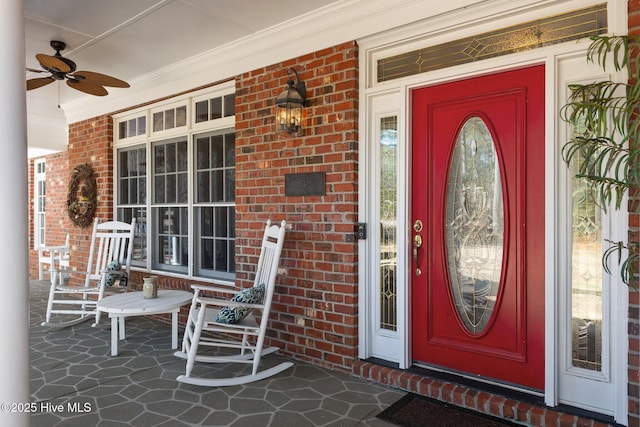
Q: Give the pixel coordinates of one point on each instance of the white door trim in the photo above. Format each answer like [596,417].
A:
[610,397]
[450,27]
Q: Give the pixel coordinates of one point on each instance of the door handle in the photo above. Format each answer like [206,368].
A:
[417,244]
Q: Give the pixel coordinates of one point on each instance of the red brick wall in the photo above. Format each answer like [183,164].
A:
[57,221]
[634,296]
[315,306]
[91,142]
[315,309]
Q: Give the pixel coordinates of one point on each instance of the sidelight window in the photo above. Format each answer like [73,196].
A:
[388,146]
[39,202]
[586,271]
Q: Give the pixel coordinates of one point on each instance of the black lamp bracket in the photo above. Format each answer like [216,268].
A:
[298,85]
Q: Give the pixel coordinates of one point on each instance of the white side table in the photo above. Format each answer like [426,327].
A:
[131,304]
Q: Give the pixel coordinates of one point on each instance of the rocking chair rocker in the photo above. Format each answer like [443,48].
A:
[109,262]
[209,317]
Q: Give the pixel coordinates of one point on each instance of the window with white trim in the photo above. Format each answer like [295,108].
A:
[176,176]
[214,207]
[39,202]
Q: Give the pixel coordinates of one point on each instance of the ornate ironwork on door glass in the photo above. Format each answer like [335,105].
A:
[388,147]
[572,25]
[474,225]
[586,271]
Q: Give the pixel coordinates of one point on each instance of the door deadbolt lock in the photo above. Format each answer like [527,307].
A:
[417,226]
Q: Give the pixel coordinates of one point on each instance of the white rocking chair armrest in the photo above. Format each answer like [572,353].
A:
[227,303]
[71,272]
[223,283]
[76,273]
[214,289]
[54,249]
[119,273]
[62,270]
[78,289]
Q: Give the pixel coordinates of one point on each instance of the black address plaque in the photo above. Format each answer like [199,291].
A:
[305,184]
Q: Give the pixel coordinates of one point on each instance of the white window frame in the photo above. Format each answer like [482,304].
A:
[39,200]
[146,140]
[164,108]
[219,235]
[574,384]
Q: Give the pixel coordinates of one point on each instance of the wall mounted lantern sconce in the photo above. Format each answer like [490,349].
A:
[290,104]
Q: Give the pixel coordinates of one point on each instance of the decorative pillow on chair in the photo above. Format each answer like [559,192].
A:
[109,278]
[251,295]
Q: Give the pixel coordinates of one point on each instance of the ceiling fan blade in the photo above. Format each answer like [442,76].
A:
[100,79]
[39,82]
[35,70]
[90,88]
[53,63]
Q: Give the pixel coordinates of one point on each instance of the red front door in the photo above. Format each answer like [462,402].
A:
[478,226]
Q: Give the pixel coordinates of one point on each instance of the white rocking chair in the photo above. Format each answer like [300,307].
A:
[56,257]
[107,271]
[209,317]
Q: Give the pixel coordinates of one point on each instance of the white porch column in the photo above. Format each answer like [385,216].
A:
[14,305]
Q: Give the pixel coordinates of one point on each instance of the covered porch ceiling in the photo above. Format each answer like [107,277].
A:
[163,47]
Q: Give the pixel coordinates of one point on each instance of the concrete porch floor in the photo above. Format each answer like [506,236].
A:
[75,381]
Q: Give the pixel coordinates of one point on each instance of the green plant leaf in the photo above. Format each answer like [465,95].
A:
[605,116]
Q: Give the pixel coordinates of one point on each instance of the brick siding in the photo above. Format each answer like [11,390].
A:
[91,142]
[315,309]
[634,296]
[57,222]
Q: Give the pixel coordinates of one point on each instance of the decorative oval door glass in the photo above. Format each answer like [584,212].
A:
[475,225]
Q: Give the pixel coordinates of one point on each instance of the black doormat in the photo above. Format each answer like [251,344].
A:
[414,410]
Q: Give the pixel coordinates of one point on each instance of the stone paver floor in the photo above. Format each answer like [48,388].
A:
[75,382]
